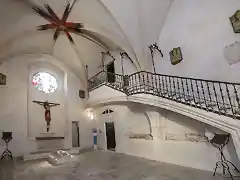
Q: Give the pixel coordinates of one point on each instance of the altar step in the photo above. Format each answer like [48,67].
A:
[35,156]
[44,154]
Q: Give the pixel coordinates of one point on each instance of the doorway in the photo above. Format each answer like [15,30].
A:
[111,72]
[110,135]
[75,134]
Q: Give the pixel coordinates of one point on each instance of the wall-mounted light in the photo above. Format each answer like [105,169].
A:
[90,114]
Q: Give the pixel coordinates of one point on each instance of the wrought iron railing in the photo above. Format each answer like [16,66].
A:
[106,78]
[219,97]
[97,80]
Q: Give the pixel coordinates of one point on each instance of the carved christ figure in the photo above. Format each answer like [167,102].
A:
[47,105]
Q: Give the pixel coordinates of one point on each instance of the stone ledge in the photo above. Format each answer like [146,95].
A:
[141,136]
[49,138]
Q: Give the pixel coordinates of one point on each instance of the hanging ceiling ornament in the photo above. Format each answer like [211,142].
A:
[62,25]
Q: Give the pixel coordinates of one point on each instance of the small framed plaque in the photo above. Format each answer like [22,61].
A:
[176,56]
[235,21]
[82,94]
[3,79]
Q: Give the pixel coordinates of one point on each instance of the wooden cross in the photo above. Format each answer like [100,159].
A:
[47,105]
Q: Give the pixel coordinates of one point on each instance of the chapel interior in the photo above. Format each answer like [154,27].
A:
[119,89]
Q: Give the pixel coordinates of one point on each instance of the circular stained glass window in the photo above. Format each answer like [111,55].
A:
[44,82]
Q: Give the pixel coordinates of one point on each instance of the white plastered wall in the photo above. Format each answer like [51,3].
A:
[141,22]
[36,125]
[135,118]
[14,104]
[202,29]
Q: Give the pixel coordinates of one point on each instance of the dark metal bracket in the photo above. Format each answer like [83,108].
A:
[125,55]
[154,47]
[108,53]
[220,141]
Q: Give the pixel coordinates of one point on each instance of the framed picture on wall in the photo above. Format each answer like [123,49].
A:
[81,94]
[235,21]
[3,79]
[176,56]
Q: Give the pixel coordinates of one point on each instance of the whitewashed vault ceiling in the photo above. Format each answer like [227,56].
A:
[122,25]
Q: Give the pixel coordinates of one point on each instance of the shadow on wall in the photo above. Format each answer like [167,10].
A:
[183,128]
[180,127]
[138,113]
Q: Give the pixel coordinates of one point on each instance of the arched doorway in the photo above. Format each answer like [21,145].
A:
[110,131]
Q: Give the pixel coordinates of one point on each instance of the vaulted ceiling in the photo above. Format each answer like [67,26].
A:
[121,25]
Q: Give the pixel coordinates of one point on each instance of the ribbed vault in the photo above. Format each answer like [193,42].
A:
[119,25]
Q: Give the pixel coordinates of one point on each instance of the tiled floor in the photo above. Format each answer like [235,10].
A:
[101,165]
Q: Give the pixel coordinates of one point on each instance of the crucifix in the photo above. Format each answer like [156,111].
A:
[47,105]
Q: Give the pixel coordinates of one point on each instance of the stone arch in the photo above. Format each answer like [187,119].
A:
[149,122]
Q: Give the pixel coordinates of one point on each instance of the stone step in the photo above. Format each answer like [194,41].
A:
[35,156]
[45,153]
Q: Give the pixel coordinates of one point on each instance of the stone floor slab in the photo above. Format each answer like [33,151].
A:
[101,165]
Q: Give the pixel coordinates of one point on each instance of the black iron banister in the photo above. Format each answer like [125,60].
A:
[214,81]
[96,75]
[215,96]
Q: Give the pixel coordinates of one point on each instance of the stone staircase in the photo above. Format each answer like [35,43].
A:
[213,96]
